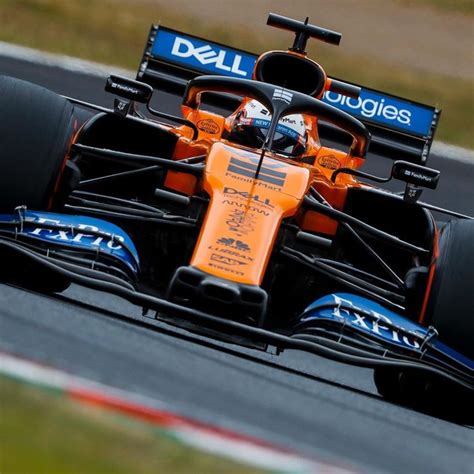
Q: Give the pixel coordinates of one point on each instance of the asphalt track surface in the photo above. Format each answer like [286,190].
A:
[313,406]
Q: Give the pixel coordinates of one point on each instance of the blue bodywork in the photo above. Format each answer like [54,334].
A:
[116,242]
[365,317]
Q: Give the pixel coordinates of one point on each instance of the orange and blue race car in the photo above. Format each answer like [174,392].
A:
[247,219]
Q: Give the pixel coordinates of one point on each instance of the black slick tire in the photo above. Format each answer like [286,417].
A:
[451,303]
[36,126]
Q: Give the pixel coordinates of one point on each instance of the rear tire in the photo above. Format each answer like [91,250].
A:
[36,127]
[425,393]
[450,310]
[451,304]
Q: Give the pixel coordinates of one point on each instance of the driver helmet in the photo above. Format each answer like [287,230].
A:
[251,124]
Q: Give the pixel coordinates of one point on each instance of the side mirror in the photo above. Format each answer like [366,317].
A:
[129,89]
[415,176]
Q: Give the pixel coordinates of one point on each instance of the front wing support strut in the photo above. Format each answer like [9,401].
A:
[262,335]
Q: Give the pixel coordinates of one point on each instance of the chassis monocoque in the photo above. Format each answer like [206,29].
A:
[242,243]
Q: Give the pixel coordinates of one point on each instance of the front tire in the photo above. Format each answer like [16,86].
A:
[36,128]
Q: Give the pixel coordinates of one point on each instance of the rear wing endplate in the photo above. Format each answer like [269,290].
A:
[401,128]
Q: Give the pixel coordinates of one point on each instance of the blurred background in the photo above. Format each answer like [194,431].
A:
[419,49]
[422,50]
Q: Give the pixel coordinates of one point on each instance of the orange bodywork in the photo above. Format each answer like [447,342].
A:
[326,162]
[245,213]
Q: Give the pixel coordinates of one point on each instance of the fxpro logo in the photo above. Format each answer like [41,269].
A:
[377,323]
[73,235]
[184,48]
[370,108]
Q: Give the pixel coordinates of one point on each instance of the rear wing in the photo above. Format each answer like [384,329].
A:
[401,128]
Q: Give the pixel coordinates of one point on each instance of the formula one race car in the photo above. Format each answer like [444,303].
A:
[237,222]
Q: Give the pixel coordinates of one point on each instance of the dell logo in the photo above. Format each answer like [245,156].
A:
[283,95]
[184,48]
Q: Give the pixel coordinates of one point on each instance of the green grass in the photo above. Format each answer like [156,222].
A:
[43,433]
[114,32]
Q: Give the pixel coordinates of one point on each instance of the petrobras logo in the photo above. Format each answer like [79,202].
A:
[370,108]
[204,56]
[184,48]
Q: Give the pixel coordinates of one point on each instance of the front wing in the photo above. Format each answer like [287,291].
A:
[342,327]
